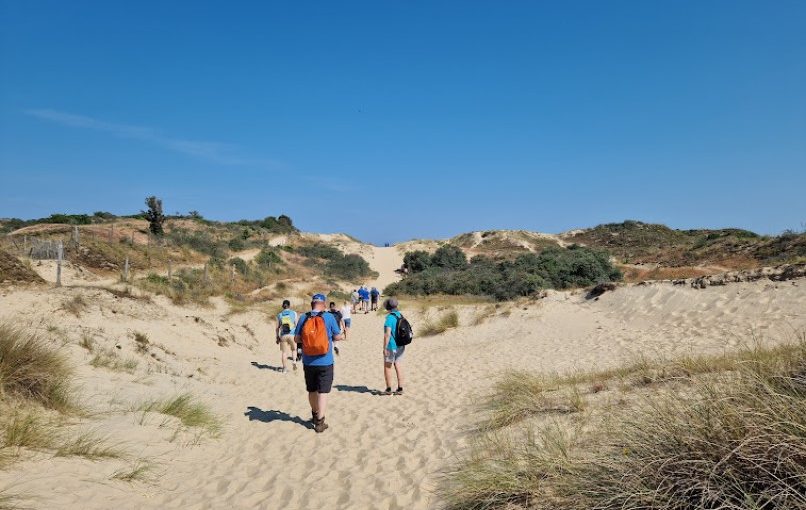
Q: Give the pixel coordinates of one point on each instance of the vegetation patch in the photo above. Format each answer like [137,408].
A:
[735,438]
[14,271]
[448,272]
[336,264]
[31,370]
[189,411]
[443,323]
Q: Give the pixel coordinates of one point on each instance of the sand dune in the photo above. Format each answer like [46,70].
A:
[380,452]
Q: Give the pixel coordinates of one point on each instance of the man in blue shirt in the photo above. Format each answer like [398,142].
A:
[392,353]
[318,368]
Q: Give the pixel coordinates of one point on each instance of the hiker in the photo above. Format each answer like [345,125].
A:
[374,295]
[354,297]
[316,331]
[347,316]
[339,320]
[397,334]
[286,324]
[364,293]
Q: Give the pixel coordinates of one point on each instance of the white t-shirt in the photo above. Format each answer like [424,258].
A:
[346,312]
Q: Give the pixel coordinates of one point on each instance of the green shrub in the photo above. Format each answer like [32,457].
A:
[554,267]
[417,261]
[336,264]
[449,257]
[268,258]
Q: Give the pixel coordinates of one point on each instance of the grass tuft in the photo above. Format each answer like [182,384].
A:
[141,342]
[31,370]
[189,411]
[440,325]
[109,359]
[140,471]
[89,446]
[76,306]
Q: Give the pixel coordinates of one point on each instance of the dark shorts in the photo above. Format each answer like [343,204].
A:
[374,299]
[318,379]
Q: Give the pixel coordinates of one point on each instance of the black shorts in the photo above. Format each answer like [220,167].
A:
[318,379]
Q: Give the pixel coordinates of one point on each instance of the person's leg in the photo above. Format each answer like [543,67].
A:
[283,353]
[387,374]
[399,373]
[313,399]
[321,404]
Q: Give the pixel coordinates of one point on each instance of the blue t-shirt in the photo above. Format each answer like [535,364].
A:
[333,329]
[375,293]
[291,314]
[364,294]
[391,323]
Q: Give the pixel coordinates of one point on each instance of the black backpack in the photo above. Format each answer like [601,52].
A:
[403,332]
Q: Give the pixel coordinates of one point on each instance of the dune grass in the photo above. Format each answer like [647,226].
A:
[189,411]
[139,471]
[446,321]
[109,359]
[76,306]
[735,438]
[141,342]
[89,446]
[25,429]
[520,394]
[31,370]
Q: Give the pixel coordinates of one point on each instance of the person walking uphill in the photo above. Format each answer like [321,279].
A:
[316,331]
[397,334]
[286,325]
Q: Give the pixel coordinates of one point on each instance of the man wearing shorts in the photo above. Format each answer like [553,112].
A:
[286,325]
[319,368]
[347,316]
[392,353]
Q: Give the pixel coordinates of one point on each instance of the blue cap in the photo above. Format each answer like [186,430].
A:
[318,298]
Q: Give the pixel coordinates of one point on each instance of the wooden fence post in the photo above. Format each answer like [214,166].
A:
[76,236]
[205,272]
[126,270]
[59,254]
[169,271]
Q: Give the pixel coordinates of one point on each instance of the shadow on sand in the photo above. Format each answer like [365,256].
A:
[258,414]
[357,389]
[266,367]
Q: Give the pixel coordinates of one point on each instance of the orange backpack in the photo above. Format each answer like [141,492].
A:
[315,341]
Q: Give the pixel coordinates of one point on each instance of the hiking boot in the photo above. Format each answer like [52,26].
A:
[314,417]
[399,391]
[319,425]
[388,391]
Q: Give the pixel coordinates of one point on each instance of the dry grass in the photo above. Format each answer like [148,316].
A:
[26,429]
[31,370]
[87,342]
[89,446]
[109,359]
[76,306]
[189,411]
[140,471]
[432,327]
[735,438]
[141,342]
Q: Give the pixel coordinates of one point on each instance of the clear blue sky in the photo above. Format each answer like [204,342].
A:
[399,119]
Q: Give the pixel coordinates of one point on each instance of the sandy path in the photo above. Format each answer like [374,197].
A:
[385,261]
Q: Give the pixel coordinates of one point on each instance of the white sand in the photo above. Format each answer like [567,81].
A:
[380,452]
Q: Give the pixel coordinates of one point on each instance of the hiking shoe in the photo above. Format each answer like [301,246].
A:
[319,425]
[399,391]
[388,391]
[314,417]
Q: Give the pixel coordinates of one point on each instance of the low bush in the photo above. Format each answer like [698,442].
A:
[558,268]
[189,411]
[336,264]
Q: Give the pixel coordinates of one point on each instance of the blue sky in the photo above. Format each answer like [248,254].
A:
[400,119]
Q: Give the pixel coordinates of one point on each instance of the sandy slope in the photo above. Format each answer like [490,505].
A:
[380,452]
